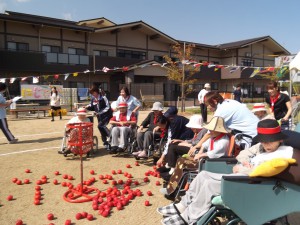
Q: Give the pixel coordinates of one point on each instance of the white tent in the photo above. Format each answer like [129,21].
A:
[294,68]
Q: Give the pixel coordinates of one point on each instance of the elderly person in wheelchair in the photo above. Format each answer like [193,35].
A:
[197,200]
[123,121]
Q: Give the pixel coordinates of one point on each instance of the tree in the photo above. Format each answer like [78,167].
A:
[180,70]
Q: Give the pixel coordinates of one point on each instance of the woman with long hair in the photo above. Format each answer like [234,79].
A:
[55,103]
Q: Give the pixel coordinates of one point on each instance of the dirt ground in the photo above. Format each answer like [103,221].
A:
[39,141]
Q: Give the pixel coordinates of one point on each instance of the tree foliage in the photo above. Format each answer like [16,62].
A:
[182,55]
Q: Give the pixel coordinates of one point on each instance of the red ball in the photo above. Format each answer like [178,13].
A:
[78,216]
[84,214]
[149,193]
[19,182]
[10,197]
[119,171]
[50,216]
[68,222]
[38,188]
[19,222]
[90,217]
[157,183]
[55,182]
[128,166]
[147,203]
[65,176]
[27,171]
[56,173]
[92,172]
[26,181]
[137,163]
[36,202]
[14,180]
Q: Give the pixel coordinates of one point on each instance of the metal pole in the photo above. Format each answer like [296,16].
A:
[183,78]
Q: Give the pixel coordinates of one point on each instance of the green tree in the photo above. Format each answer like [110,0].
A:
[181,70]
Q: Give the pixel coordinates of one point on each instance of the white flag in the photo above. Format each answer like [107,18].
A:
[35,80]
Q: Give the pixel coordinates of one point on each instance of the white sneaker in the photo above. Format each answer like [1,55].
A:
[136,153]
[167,166]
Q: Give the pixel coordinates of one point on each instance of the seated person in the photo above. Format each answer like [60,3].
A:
[179,147]
[177,124]
[214,147]
[145,138]
[122,122]
[72,134]
[260,110]
[197,200]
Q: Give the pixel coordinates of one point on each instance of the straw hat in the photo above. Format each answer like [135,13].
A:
[259,107]
[217,124]
[122,105]
[81,111]
[196,121]
[268,130]
[157,106]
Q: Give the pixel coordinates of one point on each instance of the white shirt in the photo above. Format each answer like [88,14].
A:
[76,120]
[220,147]
[201,95]
[54,100]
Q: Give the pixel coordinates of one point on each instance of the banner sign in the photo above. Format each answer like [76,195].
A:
[38,92]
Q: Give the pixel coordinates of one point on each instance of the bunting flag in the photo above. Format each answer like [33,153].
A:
[66,76]
[35,80]
[282,71]
[255,72]
[232,68]
[12,80]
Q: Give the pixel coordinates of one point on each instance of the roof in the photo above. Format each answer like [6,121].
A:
[42,20]
[97,22]
[143,27]
[268,41]
[199,45]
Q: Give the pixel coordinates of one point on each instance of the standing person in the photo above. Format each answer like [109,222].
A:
[133,103]
[100,105]
[237,117]
[280,105]
[3,121]
[203,107]
[237,94]
[55,102]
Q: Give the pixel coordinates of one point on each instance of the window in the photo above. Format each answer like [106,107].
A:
[159,58]
[100,53]
[76,51]
[131,54]
[17,46]
[247,62]
[48,48]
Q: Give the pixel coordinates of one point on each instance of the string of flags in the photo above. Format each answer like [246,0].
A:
[257,70]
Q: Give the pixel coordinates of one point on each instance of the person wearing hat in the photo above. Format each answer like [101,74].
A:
[179,147]
[201,96]
[145,138]
[260,110]
[79,118]
[122,123]
[100,105]
[197,199]
[3,121]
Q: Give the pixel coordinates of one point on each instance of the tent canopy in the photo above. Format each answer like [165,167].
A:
[295,63]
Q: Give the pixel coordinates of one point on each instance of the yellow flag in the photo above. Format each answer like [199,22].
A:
[75,74]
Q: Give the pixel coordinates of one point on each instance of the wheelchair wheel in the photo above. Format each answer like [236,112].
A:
[215,221]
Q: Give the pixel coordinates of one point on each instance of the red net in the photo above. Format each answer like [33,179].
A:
[80,140]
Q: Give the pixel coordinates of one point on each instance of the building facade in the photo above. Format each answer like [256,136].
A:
[55,50]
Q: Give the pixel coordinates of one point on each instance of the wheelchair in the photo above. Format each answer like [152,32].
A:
[64,145]
[257,200]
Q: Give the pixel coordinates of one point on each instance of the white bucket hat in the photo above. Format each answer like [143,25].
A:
[259,107]
[207,85]
[81,111]
[196,122]
[157,106]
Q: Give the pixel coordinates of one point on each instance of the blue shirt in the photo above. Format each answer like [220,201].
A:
[2,108]
[237,117]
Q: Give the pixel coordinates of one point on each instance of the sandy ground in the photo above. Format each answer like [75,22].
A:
[39,141]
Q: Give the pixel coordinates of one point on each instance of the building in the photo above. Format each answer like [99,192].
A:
[110,55]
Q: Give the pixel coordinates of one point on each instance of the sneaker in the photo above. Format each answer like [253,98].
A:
[143,154]
[168,210]
[173,220]
[13,141]
[171,170]
[113,150]
[136,153]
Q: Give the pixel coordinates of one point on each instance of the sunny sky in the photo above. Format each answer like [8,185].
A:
[199,21]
